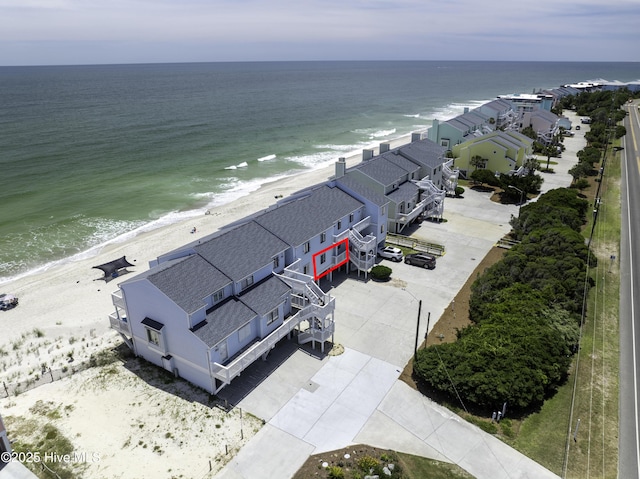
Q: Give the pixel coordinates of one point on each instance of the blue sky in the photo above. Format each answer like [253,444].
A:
[37,32]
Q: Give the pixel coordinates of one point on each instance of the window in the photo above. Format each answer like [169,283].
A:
[306,247]
[218,296]
[276,262]
[153,328]
[153,337]
[305,270]
[246,282]
[323,258]
[323,237]
[381,228]
[382,211]
[351,218]
[339,224]
[272,316]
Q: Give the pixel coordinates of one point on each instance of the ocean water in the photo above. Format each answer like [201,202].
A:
[95,154]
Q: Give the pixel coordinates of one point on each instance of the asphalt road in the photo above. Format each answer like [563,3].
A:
[629,460]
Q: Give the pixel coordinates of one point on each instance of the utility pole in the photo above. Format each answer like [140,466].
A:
[415,349]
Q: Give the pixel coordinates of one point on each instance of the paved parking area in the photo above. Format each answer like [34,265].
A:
[314,405]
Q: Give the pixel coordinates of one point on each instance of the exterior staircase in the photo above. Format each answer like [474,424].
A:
[433,197]
[450,179]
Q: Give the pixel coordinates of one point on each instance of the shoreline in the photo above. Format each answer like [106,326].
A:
[63,313]
[191,215]
[63,319]
[70,299]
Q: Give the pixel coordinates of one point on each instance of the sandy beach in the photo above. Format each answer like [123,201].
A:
[62,319]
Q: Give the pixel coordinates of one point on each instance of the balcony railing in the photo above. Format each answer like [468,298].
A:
[119,324]
[360,226]
[226,373]
[406,218]
[117,299]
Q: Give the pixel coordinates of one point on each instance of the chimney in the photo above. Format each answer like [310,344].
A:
[341,167]
[466,109]
[416,137]
[384,147]
[367,155]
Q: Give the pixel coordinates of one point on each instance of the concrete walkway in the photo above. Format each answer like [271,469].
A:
[313,405]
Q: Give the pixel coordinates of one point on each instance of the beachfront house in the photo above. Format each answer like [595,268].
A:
[326,230]
[500,114]
[546,124]
[502,152]
[208,310]
[403,184]
[456,130]
[527,102]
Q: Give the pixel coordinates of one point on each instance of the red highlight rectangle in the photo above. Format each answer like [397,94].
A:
[317,276]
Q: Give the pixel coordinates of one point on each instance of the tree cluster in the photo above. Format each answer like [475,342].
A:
[525,311]
[604,110]
[510,184]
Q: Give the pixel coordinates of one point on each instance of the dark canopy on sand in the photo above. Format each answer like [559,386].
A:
[113,266]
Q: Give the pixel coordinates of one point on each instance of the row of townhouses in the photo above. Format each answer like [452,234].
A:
[208,310]
[492,131]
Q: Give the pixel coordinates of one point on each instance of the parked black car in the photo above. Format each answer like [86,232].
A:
[421,259]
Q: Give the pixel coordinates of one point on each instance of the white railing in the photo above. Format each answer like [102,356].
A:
[358,227]
[360,242]
[363,250]
[226,373]
[362,224]
[339,258]
[406,218]
[118,324]
[450,178]
[117,299]
[363,263]
[319,335]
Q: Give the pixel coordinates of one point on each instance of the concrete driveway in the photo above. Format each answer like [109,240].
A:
[313,405]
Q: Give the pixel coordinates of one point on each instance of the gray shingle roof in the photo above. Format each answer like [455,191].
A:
[401,161]
[266,295]
[223,320]
[499,105]
[240,251]
[424,152]
[227,317]
[301,219]
[405,192]
[381,170]
[468,121]
[187,281]
[357,188]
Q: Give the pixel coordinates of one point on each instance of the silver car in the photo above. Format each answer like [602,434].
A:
[389,252]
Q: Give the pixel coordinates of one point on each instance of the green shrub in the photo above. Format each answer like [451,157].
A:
[459,191]
[368,463]
[381,272]
[336,472]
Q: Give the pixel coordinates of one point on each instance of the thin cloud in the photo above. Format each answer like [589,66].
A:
[205,30]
